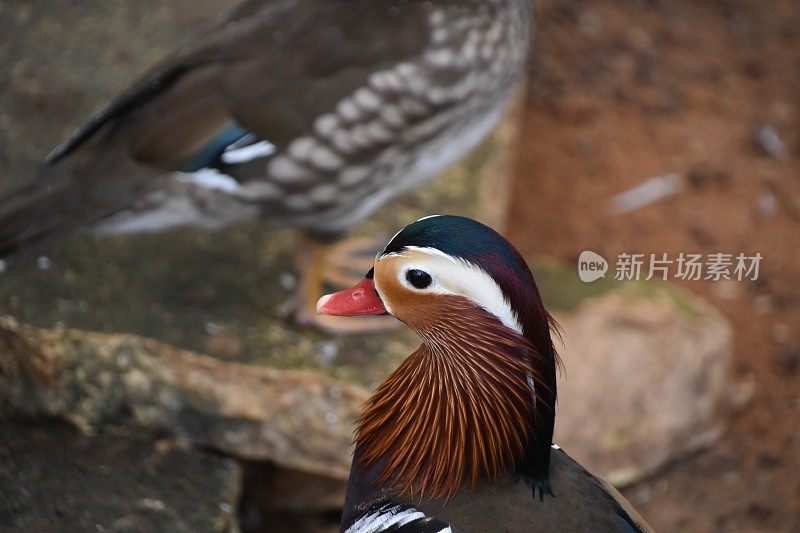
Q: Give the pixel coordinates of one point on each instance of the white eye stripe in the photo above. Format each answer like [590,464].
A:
[458,277]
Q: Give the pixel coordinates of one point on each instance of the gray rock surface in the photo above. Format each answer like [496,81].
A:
[646,378]
[646,381]
[53,478]
[298,420]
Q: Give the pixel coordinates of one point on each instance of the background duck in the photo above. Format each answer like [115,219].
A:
[460,435]
[310,113]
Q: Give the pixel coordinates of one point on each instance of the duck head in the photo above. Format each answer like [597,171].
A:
[476,401]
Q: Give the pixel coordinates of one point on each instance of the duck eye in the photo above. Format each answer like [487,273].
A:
[419,279]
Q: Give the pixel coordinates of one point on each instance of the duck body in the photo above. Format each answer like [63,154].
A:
[459,436]
[582,503]
[309,113]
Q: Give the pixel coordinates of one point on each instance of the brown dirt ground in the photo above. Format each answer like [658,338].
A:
[625,90]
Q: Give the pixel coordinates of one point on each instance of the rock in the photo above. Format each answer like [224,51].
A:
[297,420]
[53,478]
[646,372]
[646,375]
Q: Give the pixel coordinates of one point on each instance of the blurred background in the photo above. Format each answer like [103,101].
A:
[150,382]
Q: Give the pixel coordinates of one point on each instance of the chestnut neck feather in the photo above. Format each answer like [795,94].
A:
[459,410]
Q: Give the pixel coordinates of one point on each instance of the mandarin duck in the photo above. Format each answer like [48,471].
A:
[310,113]
[459,437]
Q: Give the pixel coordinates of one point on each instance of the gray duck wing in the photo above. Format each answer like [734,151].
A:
[268,70]
[582,503]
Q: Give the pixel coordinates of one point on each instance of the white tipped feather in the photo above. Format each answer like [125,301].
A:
[386,517]
[248,153]
[211,179]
